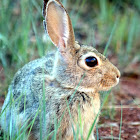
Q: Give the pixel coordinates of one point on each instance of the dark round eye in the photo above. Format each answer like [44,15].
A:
[91,61]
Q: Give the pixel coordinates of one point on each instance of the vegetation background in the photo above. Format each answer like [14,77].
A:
[112,26]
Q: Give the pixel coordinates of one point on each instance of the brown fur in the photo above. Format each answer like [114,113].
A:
[61,82]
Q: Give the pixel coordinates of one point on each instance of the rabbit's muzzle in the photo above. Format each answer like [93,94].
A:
[110,79]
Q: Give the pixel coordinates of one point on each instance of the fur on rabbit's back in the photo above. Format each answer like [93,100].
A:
[24,78]
[22,88]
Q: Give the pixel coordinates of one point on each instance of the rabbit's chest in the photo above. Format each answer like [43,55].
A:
[89,110]
[84,110]
[87,106]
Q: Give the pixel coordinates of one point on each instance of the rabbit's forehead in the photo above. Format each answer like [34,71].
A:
[84,50]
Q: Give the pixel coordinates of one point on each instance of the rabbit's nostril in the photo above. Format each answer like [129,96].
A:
[118,76]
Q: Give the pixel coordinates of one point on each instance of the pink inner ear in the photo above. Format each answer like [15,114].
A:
[57,24]
[60,44]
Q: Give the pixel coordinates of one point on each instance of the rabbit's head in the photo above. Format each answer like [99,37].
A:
[74,62]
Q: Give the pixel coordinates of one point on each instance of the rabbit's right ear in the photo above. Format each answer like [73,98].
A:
[58,26]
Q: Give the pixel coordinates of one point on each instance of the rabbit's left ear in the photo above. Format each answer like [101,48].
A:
[59,26]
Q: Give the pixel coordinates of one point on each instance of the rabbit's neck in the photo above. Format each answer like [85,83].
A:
[87,90]
[54,72]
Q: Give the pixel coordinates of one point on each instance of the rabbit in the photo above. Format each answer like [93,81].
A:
[60,88]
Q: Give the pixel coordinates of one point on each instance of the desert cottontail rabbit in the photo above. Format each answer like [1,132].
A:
[58,93]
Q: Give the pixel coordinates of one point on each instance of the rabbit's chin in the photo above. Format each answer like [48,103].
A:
[107,86]
[102,87]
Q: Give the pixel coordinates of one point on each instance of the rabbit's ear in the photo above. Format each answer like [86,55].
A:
[58,26]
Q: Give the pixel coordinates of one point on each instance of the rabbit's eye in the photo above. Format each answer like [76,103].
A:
[91,61]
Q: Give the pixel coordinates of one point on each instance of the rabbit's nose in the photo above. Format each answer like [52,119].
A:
[118,74]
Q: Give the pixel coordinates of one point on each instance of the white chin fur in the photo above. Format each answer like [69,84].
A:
[81,89]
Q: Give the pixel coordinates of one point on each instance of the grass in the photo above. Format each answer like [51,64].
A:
[22,35]
[120,123]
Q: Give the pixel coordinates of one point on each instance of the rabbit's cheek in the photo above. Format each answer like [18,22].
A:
[107,82]
[113,82]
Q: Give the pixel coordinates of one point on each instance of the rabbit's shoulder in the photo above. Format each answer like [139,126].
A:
[23,79]
[21,87]
[28,81]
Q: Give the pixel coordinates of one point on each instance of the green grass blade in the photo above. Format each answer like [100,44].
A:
[131,34]
[97,133]
[111,35]
[77,87]
[32,123]
[91,128]
[74,134]
[112,133]
[121,123]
